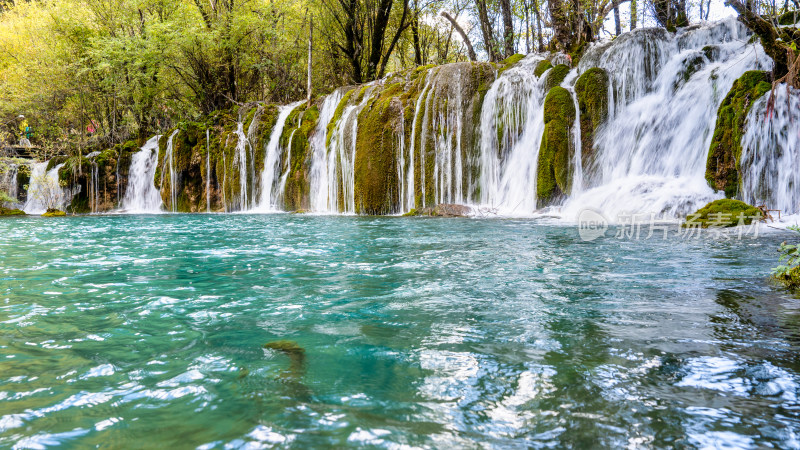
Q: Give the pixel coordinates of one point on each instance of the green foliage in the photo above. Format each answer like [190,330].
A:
[788,272]
[723,163]
[722,214]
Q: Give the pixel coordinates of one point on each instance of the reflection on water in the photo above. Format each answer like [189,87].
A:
[414,332]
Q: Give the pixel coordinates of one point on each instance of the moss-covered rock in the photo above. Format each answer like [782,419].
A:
[724,156]
[510,62]
[54,213]
[297,133]
[591,88]
[556,76]
[375,160]
[542,67]
[553,178]
[723,213]
[5,212]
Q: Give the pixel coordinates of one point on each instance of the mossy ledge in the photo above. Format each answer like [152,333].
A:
[553,178]
[724,156]
[723,213]
[8,212]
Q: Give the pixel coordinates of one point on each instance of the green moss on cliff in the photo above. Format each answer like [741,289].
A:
[553,177]
[591,88]
[375,162]
[723,164]
[296,134]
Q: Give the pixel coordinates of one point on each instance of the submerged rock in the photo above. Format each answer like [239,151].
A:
[724,157]
[446,210]
[724,213]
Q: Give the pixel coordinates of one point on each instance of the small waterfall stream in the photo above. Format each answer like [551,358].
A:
[45,190]
[771,153]
[169,163]
[142,196]
[272,183]
[512,123]
[319,183]
[342,155]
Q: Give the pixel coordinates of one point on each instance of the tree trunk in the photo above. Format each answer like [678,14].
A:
[381,22]
[310,54]
[539,37]
[768,35]
[487,31]
[415,37]
[634,15]
[508,27]
[460,31]
[527,27]
[617,25]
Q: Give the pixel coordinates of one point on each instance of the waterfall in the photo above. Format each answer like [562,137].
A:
[240,159]
[44,190]
[142,197]
[342,156]
[407,186]
[771,153]
[208,171]
[318,174]
[274,153]
[169,161]
[512,124]
[651,155]
[8,180]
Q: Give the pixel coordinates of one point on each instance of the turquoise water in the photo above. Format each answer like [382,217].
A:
[122,331]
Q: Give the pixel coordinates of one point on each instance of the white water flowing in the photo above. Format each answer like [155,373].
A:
[318,174]
[406,173]
[512,124]
[271,186]
[240,159]
[142,197]
[342,156]
[44,190]
[8,180]
[208,171]
[651,155]
[169,162]
[771,153]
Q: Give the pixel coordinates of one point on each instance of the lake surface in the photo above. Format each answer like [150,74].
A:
[148,331]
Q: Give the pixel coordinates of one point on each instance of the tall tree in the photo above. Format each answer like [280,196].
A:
[508,28]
